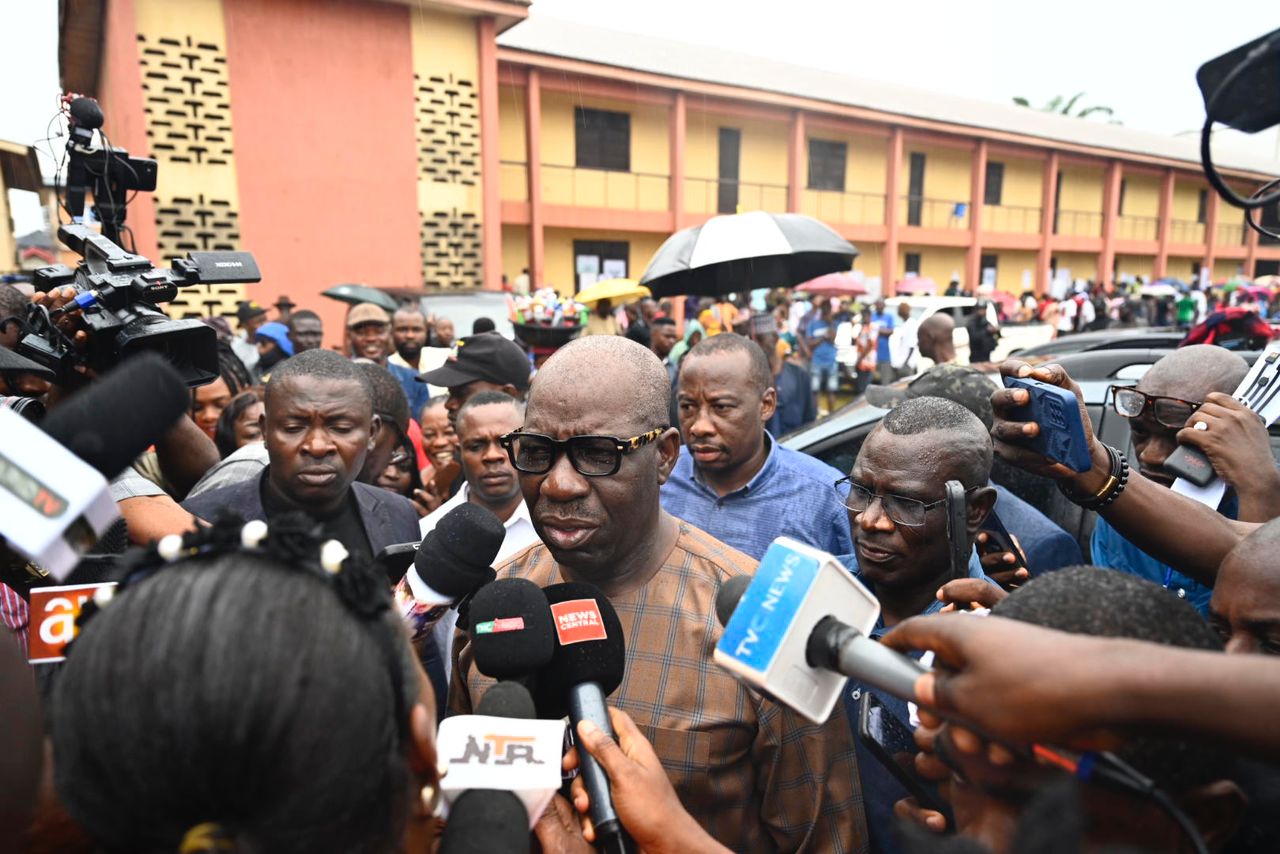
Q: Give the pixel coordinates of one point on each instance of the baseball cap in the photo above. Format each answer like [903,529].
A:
[487,356]
[249,309]
[966,386]
[278,333]
[367,312]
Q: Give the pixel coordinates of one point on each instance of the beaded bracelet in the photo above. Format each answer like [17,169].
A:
[1115,483]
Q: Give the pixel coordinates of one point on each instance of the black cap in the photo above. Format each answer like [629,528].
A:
[512,635]
[508,700]
[457,556]
[966,386]
[589,648]
[487,356]
[248,309]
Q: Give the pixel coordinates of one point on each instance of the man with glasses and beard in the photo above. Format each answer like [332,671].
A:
[592,453]
[1161,404]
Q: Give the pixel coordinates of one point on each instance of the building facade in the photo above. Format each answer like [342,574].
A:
[405,142]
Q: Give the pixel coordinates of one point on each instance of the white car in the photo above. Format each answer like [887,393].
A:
[1012,337]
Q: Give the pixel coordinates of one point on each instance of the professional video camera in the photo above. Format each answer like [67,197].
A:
[119,292]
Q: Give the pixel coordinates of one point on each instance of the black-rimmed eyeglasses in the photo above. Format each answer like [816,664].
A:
[593,456]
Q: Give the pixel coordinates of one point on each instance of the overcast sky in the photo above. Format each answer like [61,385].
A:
[1138,57]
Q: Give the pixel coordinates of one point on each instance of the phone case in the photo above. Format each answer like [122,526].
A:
[1062,437]
[1190,463]
[916,787]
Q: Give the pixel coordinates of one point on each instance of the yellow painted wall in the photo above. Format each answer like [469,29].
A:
[1182,268]
[1081,193]
[446,44]
[511,124]
[1011,266]
[868,260]
[939,263]
[558,252]
[515,250]
[1186,200]
[1135,265]
[1083,265]
[862,202]
[762,162]
[1023,182]
[8,245]
[947,180]
[1142,196]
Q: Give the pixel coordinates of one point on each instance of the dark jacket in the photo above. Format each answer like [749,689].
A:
[387,518]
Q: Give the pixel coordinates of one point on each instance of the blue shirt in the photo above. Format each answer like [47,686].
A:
[791,496]
[886,322]
[1045,544]
[880,789]
[417,393]
[824,352]
[1115,552]
[796,404]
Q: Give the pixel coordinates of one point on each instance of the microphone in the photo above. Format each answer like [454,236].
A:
[512,635]
[54,499]
[503,767]
[86,113]
[85,118]
[454,559]
[801,629]
[588,665]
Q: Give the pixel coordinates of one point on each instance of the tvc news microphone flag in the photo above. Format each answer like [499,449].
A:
[765,641]
[506,754]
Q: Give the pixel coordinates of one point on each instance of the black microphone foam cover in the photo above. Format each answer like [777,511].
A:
[589,646]
[86,113]
[486,821]
[511,631]
[122,414]
[457,556]
[729,595]
[507,700]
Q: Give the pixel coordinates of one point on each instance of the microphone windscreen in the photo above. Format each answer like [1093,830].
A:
[589,646]
[457,556]
[122,414]
[86,113]
[485,821]
[507,700]
[729,595]
[511,631]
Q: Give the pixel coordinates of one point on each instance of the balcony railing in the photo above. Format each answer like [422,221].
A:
[848,208]
[715,196]
[602,188]
[1011,219]
[514,181]
[1078,223]
[1186,231]
[1229,234]
[933,213]
[1137,227]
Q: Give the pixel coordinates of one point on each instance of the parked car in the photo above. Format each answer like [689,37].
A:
[1153,338]
[1012,336]
[461,305]
[837,438]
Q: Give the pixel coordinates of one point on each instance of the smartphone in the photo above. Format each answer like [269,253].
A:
[395,560]
[1191,464]
[1000,540]
[1062,437]
[957,522]
[891,742]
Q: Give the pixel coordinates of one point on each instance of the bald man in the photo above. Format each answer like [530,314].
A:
[1165,399]
[936,338]
[754,774]
[902,551]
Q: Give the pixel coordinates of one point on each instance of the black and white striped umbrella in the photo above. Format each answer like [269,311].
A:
[741,252]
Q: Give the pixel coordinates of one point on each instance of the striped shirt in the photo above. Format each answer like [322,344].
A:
[755,774]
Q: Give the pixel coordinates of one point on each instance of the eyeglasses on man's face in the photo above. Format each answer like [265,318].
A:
[901,509]
[1170,412]
[593,456]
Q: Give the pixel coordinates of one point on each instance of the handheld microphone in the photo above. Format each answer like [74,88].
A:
[512,634]
[453,560]
[588,665]
[54,500]
[499,770]
[801,629]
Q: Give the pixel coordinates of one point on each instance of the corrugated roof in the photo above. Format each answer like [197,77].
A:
[573,40]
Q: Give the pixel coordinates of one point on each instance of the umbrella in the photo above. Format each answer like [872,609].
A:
[1172,280]
[916,285]
[1267,281]
[356,294]
[741,252]
[835,285]
[1157,290]
[619,291]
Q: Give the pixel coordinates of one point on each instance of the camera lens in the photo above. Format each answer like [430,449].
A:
[29,408]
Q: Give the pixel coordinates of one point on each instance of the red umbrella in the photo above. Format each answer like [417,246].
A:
[834,285]
[916,285]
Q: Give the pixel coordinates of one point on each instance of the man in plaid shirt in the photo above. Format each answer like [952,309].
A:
[593,452]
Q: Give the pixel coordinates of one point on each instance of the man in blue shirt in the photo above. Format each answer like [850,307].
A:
[898,513]
[1157,408]
[820,336]
[884,322]
[732,479]
[796,404]
[369,337]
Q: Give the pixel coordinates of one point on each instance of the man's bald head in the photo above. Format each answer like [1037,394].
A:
[1192,372]
[609,361]
[934,338]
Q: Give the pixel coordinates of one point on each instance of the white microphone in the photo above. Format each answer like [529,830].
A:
[802,628]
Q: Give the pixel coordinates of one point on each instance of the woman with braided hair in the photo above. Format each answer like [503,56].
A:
[246,689]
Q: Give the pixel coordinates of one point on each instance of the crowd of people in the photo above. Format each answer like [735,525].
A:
[256,684]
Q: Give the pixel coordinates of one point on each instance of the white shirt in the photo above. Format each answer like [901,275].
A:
[903,352]
[428,360]
[520,535]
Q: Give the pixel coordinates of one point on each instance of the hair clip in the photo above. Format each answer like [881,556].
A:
[253,533]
